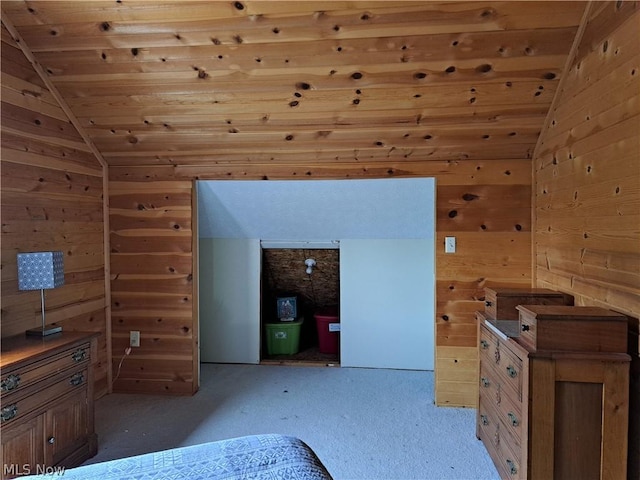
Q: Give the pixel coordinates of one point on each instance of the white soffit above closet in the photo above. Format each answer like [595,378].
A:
[317,210]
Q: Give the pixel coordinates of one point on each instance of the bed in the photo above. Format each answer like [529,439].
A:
[272,457]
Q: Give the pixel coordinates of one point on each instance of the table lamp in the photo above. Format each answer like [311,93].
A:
[40,271]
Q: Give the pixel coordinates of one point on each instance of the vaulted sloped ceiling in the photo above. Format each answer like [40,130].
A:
[201,83]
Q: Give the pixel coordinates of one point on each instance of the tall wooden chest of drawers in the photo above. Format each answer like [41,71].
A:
[46,402]
[557,414]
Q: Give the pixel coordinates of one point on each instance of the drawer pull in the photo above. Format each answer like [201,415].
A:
[484,344]
[484,420]
[10,383]
[77,379]
[79,355]
[488,303]
[51,440]
[512,467]
[485,382]
[525,327]
[513,419]
[512,372]
[9,412]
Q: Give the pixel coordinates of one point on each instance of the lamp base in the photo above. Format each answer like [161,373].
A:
[43,332]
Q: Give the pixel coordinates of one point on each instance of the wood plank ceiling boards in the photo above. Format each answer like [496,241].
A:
[211,84]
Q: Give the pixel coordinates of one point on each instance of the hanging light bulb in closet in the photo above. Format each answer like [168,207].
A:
[310,263]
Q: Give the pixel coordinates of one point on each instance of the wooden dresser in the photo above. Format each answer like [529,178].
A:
[555,414]
[46,402]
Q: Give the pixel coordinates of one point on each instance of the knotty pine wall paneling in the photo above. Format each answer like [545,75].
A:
[484,203]
[492,225]
[52,199]
[314,90]
[152,286]
[587,182]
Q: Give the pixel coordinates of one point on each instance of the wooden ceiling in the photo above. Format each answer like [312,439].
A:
[195,83]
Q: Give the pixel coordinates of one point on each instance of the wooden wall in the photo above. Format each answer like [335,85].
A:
[492,223]
[476,143]
[587,197]
[152,286]
[586,202]
[493,239]
[587,181]
[52,199]
[457,91]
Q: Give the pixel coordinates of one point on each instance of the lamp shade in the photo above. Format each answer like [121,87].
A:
[40,270]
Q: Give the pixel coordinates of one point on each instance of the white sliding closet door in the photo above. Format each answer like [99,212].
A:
[230,300]
[387,304]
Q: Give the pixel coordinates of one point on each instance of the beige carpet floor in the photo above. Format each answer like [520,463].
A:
[363,423]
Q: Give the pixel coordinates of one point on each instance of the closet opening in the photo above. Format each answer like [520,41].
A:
[300,305]
[381,234]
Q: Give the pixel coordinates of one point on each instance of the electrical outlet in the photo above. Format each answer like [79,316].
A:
[134,338]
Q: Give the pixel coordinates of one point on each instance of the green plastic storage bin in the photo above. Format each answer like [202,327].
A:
[283,338]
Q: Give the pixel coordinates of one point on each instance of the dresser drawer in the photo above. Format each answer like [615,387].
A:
[505,409]
[493,391]
[488,345]
[490,388]
[16,406]
[508,368]
[510,412]
[505,454]
[500,303]
[17,379]
[494,353]
[573,329]
[509,464]
[487,423]
[496,356]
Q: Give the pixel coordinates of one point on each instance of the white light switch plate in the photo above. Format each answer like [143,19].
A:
[449,244]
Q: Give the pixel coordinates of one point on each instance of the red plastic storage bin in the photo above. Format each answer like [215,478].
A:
[328,332]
